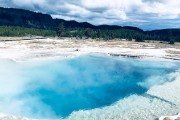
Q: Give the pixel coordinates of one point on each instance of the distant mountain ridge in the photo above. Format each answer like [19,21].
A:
[29,19]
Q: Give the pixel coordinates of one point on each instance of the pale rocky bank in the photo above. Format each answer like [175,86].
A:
[22,49]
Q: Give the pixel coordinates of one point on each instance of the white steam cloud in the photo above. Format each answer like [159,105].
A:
[19,81]
[160,100]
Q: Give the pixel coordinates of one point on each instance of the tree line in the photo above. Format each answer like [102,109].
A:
[169,35]
[85,33]
[11,31]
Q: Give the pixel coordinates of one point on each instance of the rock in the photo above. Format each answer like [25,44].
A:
[166,118]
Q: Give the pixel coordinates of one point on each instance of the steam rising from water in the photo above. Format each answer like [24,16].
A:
[57,88]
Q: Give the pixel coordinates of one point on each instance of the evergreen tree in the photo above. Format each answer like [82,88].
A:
[60,29]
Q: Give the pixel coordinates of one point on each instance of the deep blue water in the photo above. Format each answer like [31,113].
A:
[86,82]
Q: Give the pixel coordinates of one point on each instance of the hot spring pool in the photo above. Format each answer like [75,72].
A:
[56,88]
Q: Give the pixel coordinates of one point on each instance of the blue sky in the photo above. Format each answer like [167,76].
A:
[146,14]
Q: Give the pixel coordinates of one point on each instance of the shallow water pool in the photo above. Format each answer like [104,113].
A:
[54,89]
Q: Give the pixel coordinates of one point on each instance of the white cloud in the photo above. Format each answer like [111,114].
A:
[120,12]
[74,10]
[162,10]
[115,13]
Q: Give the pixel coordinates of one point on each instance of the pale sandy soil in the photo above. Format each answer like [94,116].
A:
[22,49]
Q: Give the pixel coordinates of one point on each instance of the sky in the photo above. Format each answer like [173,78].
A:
[146,14]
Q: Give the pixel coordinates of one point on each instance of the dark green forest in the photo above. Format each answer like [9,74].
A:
[19,22]
[22,31]
[161,35]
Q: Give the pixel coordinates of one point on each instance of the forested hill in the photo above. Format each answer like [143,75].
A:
[20,18]
[26,18]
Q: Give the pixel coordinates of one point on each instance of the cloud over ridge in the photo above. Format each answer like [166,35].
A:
[146,14]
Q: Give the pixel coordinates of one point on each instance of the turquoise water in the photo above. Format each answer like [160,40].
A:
[59,87]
